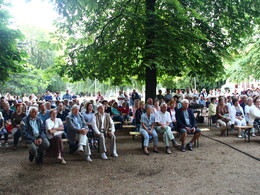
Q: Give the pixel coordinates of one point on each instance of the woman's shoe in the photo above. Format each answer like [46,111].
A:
[146,152]
[63,162]
[155,150]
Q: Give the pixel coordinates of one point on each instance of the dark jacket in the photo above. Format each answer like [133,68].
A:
[72,126]
[181,123]
[138,115]
[27,131]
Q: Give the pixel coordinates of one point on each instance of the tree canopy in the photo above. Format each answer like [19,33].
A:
[10,55]
[119,40]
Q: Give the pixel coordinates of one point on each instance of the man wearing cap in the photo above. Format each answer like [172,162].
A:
[104,127]
[77,133]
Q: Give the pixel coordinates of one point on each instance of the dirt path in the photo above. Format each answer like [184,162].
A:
[213,168]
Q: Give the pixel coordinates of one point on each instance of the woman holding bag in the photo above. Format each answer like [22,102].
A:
[55,128]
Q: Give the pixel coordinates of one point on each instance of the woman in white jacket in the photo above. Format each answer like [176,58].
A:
[254,112]
[237,116]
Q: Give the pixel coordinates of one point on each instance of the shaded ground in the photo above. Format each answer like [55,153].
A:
[213,168]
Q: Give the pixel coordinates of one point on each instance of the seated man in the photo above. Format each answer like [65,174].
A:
[186,124]
[77,130]
[163,120]
[34,133]
[104,127]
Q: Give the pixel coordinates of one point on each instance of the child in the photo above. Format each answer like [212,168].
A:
[3,131]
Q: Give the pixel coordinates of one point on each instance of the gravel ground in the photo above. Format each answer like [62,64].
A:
[213,168]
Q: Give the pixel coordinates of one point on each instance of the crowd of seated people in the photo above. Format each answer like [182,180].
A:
[43,121]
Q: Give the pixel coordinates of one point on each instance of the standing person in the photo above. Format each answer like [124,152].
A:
[159,96]
[163,120]
[223,116]
[120,98]
[134,96]
[34,133]
[186,124]
[16,119]
[67,96]
[55,128]
[168,96]
[147,128]
[99,96]
[126,99]
[104,127]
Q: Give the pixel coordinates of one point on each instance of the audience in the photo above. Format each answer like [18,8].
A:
[95,121]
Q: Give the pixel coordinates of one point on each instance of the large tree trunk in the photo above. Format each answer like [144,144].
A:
[151,81]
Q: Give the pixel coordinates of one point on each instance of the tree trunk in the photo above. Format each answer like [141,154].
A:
[151,80]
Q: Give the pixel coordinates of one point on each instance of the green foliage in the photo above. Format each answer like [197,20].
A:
[10,56]
[107,38]
[246,64]
[31,80]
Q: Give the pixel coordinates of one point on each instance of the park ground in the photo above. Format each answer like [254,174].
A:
[213,168]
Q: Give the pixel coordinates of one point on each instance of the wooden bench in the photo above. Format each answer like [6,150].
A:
[117,122]
[128,122]
[64,140]
[196,143]
[247,130]
[128,126]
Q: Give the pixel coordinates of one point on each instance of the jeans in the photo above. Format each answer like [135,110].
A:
[146,137]
[17,135]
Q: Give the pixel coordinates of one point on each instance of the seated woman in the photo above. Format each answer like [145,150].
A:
[124,109]
[116,114]
[3,131]
[156,106]
[213,110]
[136,106]
[223,117]
[138,115]
[172,109]
[88,116]
[237,116]
[254,114]
[16,119]
[55,128]
[147,128]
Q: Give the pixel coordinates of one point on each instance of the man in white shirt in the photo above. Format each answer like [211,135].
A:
[163,120]
[120,98]
[104,127]
[254,113]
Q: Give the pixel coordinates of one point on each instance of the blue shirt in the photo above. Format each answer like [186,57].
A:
[76,118]
[45,116]
[34,126]
[66,96]
[148,122]
[186,117]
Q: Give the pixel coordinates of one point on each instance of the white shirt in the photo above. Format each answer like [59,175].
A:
[94,124]
[120,102]
[52,124]
[254,113]
[163,118]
